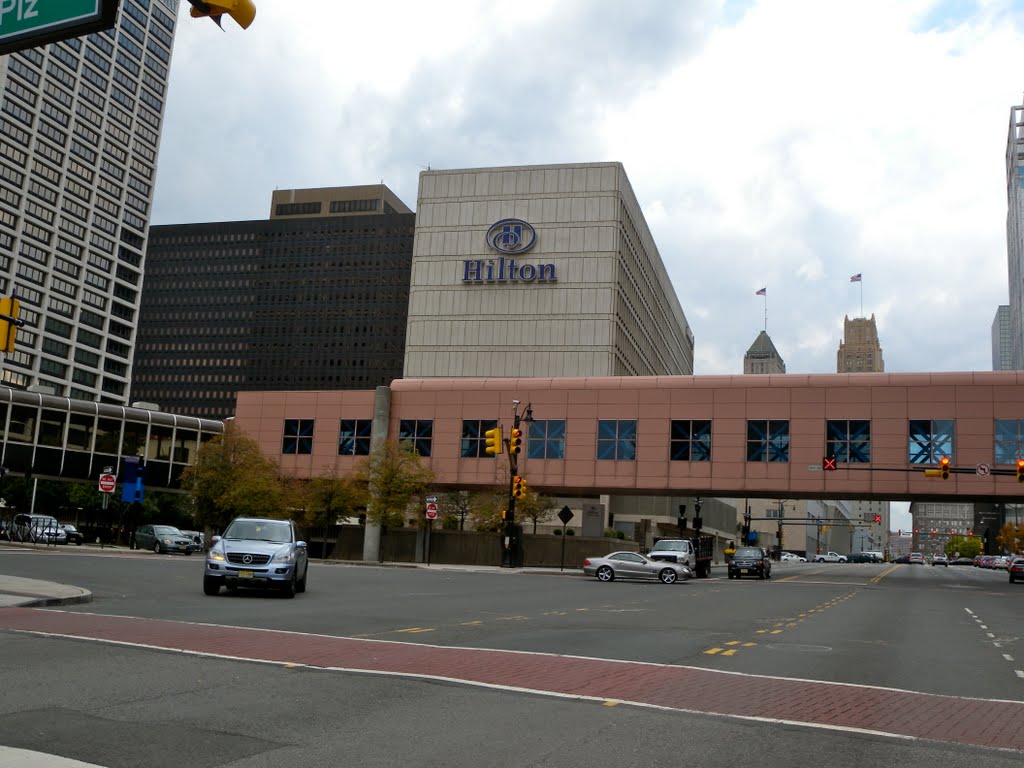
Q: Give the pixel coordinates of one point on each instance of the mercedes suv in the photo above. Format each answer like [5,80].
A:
[257,552]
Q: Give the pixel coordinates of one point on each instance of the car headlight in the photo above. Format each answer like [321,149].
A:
[215,554]
[286,555]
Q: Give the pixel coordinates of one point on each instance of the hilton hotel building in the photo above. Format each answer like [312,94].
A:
[539,271]
[545,271]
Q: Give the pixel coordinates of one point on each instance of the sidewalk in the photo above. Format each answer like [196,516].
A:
[32,593]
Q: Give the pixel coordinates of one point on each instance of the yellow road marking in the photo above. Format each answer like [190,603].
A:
[885,573]
[733,642]
[730,652]
[760,631]
[776,631]
[713,651]
[412,630]
[611,704]
[748,645]
[291,666]
[471,623]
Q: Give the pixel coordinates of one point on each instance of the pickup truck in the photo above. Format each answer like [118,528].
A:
[830,557]
[697,553]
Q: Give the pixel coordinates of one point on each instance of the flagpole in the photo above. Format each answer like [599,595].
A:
[766,311]
[862,296]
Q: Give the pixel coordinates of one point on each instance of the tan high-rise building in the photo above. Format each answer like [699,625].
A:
[860,350]
[763,357]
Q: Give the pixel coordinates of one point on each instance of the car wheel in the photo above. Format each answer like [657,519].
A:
[769,574]
[78,543]
[211,585]
[288,588]
[300,586]
[188,551]
[667,576]
[760,575]
[1012,579]
[156,548]
[605,573]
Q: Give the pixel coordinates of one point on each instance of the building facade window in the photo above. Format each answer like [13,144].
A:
[473,441]
[354,437]
[849,441]
[546,439]
[616,440]
[690,440]
[298,436]
[768,441]
[419,434]
[1009,443]
[930,440]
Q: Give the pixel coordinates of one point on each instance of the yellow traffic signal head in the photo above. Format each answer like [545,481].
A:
[9,309]
[242,11]
[518,486]
[492,441]
[515,441]
[1020,470]
[944,466]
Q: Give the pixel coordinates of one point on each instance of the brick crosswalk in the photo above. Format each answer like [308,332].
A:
[980,722]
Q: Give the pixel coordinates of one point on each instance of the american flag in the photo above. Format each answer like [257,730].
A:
[762,292]
[855,278]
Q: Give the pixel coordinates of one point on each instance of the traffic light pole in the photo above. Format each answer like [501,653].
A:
[510,554]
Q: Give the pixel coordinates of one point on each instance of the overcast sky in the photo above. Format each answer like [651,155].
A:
[778,144]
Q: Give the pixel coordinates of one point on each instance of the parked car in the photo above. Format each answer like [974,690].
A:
[830,557]
[633,565]
[72,534]
[916,558]
[962,561]
[1016,569]
[789,557]
[940,560]
[257,552]
[750,561]
[162,538]
[902,559]
[862,557]
[39,529]
[1001,562]
[196,538]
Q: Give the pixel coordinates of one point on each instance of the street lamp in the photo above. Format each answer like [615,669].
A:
[511,556]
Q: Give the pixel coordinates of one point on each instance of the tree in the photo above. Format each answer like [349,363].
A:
[486,508]
[456,507]
[232,478]
[393,475]
[535,507]
[1011,537]
[969,546]
[331,497]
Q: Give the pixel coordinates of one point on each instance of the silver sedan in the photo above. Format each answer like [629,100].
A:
[631,565]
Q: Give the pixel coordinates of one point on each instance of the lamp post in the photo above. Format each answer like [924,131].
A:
[511,556]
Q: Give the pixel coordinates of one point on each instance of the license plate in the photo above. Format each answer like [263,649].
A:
[744,570]
[245,574]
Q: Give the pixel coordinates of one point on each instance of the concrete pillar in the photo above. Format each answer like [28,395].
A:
[378,436]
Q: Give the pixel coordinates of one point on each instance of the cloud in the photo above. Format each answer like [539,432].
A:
[788,144]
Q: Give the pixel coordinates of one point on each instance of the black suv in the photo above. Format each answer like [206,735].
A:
[750,561]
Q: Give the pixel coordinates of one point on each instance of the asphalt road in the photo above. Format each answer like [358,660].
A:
[952,631]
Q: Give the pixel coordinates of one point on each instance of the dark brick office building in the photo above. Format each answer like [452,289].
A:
[316,297]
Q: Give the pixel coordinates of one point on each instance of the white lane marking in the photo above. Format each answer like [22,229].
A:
[28,757]
[990,634]
[1020,672]
[997,645]
[982,626]
[969,611]
[1008,657]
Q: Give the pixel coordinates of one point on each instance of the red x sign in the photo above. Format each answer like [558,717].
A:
[828,463]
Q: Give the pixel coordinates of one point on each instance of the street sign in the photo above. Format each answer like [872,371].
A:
[431,510]
[31,23]
[431,499]
[983,470]
[107,483]
[814,467]
[565,515]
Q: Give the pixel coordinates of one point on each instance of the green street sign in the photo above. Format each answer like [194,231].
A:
[30,23]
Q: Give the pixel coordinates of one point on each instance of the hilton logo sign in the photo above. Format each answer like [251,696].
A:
[511,236]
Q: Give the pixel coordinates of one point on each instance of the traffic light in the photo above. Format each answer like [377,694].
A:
[970,534]
[492,441]
[518,487]
[828,463]
[1020,470]
[9,309]
[504,514]
[242,11]
[515,441]
[944,466]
